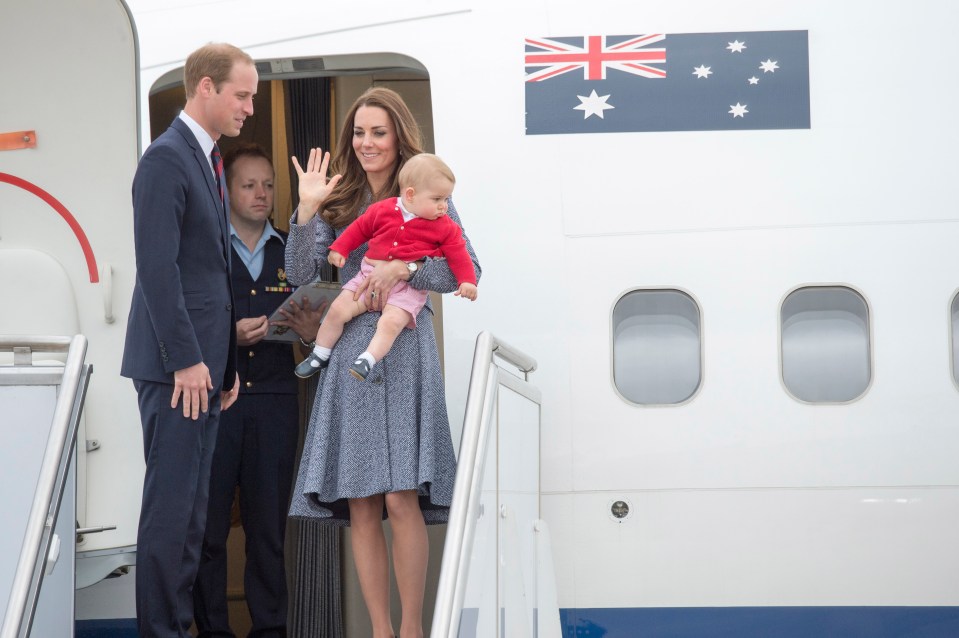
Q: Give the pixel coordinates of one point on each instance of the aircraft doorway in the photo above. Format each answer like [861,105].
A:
[300,104]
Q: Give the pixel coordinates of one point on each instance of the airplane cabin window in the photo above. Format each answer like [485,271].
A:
[955,338]
[826,353]
[657,347]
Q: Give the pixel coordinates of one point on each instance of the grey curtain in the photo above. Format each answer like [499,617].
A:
[309,117]
[313,549]
[313,564]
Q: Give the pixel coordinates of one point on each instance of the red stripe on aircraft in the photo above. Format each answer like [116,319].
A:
[67,216]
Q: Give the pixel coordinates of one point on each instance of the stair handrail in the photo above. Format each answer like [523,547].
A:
[479,400]
[29,574]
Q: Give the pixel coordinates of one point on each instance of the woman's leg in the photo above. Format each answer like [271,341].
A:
[411,553]
[372,560]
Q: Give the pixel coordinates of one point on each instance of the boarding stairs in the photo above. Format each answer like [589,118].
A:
[41,399]
[497,577]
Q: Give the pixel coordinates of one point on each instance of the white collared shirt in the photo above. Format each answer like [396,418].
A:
[407,215]
[206,142]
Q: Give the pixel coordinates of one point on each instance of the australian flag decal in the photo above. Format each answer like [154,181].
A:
[675,82]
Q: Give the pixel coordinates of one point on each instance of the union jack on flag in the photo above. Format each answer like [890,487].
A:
[550,57]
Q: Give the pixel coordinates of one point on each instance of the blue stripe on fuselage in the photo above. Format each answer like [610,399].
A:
[745,622]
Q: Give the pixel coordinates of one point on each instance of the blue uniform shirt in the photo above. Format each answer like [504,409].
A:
[253,260]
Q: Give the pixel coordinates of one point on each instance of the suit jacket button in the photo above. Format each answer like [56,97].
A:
[249,384]
[229,306]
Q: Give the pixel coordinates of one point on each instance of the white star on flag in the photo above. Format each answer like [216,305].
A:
[593,105]
[739,110]
[769,66]
[702,71]
[753,80]
[736,46]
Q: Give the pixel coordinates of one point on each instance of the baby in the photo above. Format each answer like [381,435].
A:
[409,227]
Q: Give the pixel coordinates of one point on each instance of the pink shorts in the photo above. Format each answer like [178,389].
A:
[402,295]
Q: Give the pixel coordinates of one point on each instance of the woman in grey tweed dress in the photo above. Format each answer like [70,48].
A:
[379,447]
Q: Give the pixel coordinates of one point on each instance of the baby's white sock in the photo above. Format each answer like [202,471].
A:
[322,353]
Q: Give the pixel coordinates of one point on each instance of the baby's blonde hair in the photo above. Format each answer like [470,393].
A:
[421,168]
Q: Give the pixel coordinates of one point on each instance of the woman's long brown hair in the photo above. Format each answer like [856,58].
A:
[343,204]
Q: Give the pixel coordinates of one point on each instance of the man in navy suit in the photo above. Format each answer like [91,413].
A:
[180,346]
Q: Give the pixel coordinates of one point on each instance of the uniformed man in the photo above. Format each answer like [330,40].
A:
[257,439]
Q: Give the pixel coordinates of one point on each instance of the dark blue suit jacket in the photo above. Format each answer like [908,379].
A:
[182,311]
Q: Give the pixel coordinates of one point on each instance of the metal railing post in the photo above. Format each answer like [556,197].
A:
[480,402]
[29,574]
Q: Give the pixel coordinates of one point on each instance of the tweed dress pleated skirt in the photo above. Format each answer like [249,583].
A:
[388,433]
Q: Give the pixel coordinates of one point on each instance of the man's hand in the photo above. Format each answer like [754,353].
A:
[194,384]
[252,330]
[228,397]
[303,320]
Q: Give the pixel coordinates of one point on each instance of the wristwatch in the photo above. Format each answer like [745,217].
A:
[412,266]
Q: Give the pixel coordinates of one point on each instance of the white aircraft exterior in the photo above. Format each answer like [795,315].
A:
[746,339]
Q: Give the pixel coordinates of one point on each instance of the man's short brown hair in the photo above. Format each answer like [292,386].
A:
[244,149]
[215,61]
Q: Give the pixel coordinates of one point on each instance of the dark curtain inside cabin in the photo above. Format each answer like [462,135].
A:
[310,111]
[315,599]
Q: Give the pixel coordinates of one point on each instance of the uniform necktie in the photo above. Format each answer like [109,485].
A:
[218,169]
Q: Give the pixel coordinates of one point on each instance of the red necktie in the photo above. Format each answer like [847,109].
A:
[218,169]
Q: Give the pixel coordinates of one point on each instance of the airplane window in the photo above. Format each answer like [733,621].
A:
[657,347]
[955,338]
[826,354]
